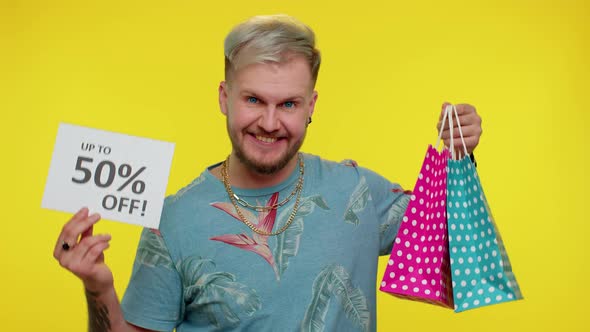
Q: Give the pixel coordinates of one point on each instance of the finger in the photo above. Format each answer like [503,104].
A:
[466,131]
[469,119]
[73,229]
[88,232]
[464,119]
[456,143]
[464,109]
[72,259]
[470,131]
[81,214]
[445,125]
[85,268]
[85,244]
[95,252]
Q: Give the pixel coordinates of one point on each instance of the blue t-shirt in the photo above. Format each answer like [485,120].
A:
[205,270]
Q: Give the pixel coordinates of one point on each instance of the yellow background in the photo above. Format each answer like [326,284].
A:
[152,68]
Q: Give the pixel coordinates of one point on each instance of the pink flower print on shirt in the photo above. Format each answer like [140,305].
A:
[256,243]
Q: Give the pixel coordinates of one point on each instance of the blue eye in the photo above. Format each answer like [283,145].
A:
[289,104]
[252,100]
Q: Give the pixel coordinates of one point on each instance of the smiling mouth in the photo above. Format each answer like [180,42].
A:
[266,139]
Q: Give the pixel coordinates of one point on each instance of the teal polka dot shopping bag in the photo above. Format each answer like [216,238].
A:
[480,269]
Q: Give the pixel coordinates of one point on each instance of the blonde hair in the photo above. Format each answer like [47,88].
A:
[272,38]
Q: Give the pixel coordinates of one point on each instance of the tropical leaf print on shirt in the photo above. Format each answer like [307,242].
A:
[395,213]
[334,280]
[152,250]
[256,243]
[216,295]
[357,202]
[287,243]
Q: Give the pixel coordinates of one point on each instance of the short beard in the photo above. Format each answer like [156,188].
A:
[263,168]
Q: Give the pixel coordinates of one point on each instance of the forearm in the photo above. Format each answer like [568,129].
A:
[104,312]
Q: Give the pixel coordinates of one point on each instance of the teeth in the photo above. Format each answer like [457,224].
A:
[266,139]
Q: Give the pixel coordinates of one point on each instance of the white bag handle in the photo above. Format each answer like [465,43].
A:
[448,112]
[442,125]
[460,131]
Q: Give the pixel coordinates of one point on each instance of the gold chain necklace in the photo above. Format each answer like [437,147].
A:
[233,198]
[262,208]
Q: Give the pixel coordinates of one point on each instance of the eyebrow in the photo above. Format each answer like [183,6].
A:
[254,94]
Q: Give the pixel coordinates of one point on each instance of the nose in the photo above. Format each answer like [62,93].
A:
[269,119]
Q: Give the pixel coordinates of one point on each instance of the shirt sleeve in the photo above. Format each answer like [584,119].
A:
[153,299]
[390,201]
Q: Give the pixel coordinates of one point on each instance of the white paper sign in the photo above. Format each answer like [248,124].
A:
[121,177]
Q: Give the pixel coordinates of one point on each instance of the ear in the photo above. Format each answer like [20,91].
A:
[223,91]
[314,98]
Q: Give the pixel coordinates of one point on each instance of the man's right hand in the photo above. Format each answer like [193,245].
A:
[82,253]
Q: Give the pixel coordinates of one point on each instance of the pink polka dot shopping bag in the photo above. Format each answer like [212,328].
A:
[418,267]
[481,272]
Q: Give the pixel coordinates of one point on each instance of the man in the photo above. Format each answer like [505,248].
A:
[271,239]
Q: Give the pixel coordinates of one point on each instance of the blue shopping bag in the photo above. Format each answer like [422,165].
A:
[480,268]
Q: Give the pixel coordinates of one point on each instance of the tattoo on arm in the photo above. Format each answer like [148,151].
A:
[98,314]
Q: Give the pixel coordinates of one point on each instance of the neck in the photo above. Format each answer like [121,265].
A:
[243,177]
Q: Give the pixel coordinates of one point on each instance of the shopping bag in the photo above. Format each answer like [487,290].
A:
[481,272]
[418,267]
